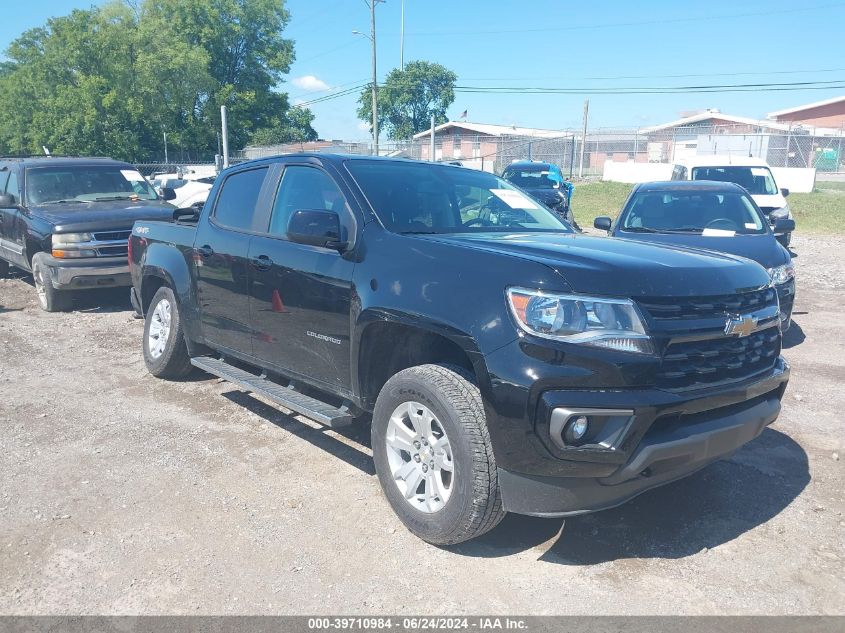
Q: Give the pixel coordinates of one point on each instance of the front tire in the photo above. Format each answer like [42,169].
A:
[433,454]
[50,299]
[165,351]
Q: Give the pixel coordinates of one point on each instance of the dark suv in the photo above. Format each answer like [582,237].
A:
[67,220]
[544,182]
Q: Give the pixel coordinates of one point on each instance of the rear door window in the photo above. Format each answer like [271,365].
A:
[238,198]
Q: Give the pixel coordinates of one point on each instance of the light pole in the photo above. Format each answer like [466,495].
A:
[374,85]
[402,39]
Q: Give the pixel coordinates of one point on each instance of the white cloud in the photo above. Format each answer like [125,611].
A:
[310,83]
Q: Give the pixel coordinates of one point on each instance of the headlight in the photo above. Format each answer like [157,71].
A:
[609,323]
[71,238]
[782,274]
[781,214]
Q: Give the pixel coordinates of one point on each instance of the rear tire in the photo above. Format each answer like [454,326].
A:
[165,351]
[435,413]
[4,269]
[50,299]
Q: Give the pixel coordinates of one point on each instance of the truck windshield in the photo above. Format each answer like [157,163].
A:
[427,198]
[692,212]
[758,181]
[85,183]
[532,179]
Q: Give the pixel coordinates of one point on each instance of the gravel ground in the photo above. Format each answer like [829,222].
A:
[123,494]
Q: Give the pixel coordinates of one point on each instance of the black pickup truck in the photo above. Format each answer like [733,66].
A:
[67,220]
[505,362]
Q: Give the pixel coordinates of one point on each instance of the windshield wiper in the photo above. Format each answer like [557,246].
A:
[418,232]
[106,198]
[640,229]
[685,229]
[68,201]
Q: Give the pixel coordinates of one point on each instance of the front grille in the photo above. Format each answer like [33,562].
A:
[669,308]
[701,363]
[113,251]
[112,236]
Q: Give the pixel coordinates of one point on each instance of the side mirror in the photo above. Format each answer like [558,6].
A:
[316,227]
[187,214]
[784,225]
[168,193]
[602,223]
[784,191]
[7,200]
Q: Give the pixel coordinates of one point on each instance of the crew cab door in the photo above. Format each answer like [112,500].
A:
[221,258]
[299,294]
[12,225]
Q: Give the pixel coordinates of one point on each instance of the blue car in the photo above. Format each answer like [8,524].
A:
[717,216]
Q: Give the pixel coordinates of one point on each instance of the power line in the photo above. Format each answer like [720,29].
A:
[584,27]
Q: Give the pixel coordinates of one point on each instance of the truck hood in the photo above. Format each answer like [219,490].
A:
[763,249]
[619,267]
[99,216]
[775,201]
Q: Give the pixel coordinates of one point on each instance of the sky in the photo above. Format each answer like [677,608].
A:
[587,47]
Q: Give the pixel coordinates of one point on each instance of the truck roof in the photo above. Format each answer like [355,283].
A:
[42,161]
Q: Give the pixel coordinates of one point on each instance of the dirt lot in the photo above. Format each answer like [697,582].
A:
[123,494]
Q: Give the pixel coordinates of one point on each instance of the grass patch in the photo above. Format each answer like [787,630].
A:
[822,211]
[830,185]
[819,212]
[592,199]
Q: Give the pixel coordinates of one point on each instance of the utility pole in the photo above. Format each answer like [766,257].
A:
[583,139]
[165,147]
[431,158]
[225,131]
[375,76]
[402,39]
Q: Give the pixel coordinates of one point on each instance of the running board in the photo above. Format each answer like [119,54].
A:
[284,396]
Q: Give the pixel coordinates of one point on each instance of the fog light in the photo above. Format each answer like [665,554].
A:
[576,429]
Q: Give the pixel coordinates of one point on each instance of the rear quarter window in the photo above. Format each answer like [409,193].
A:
[238,197]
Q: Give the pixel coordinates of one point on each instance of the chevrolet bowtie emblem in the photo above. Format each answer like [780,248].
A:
[740,325]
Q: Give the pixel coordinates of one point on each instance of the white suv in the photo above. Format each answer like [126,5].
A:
[753,174]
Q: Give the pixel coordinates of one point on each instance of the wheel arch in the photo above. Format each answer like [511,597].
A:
[388,342]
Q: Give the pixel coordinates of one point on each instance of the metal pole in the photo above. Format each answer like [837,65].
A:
[402,39]
[432,139]
[165,148]
[572,156]
[375,76]
[224,126]
[583,139]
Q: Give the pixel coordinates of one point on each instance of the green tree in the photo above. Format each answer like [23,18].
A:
[113,79]
[408,99]
[293,127]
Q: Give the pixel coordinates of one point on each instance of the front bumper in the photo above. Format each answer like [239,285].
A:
[663,456]
[96,272]
[668,434]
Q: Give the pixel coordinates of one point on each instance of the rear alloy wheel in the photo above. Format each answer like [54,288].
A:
[165,351]
[433,454]
[50,299]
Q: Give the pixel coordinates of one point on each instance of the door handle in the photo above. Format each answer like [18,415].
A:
[205,251]
[262,262]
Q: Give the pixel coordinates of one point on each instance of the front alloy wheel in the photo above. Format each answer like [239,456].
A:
[433,454]
[420,457]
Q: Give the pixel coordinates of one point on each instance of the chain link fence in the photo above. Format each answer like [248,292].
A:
[580,156]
